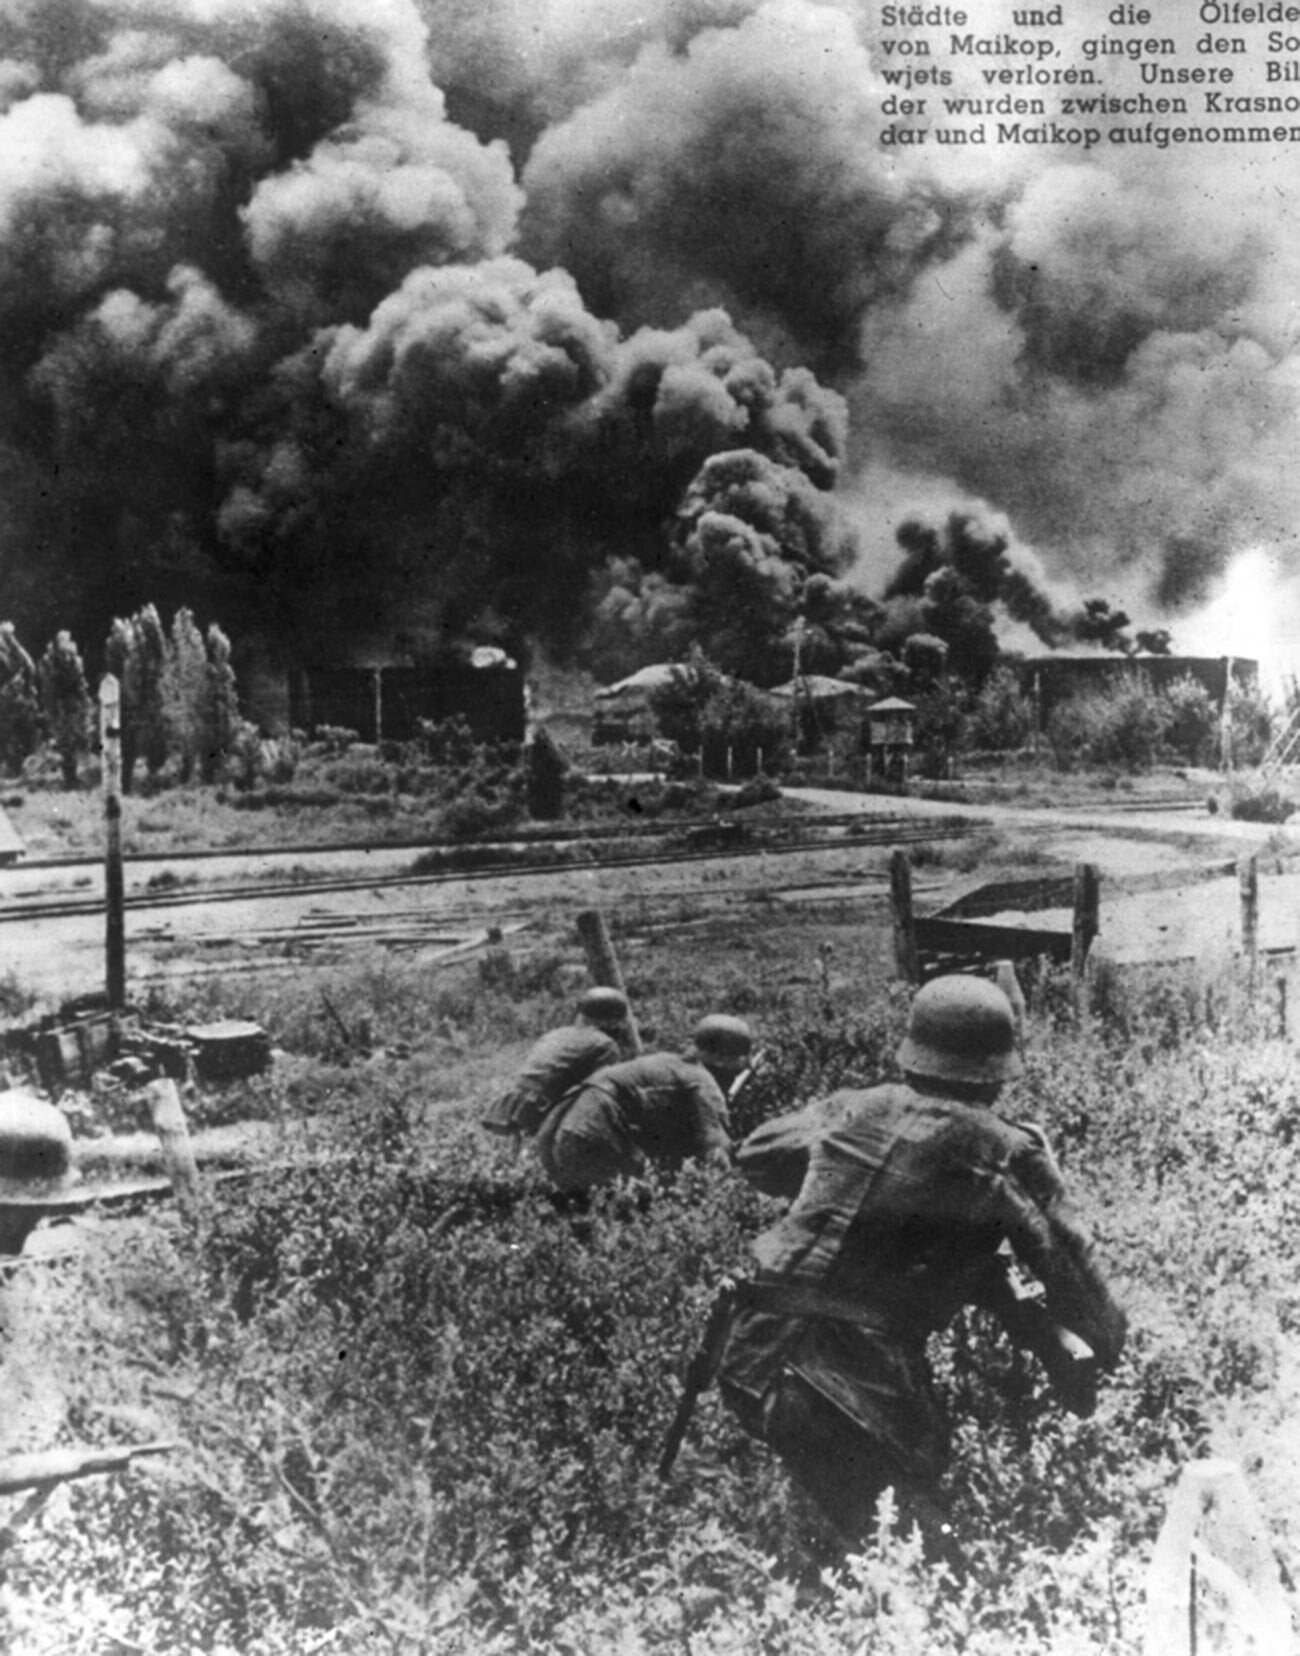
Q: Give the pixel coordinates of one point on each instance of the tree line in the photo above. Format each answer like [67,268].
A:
[179,699]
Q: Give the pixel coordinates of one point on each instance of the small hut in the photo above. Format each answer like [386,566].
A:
[891,735]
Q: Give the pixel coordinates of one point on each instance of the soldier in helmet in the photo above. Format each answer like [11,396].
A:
[558,1062]
[36,1165]
[909,1199]
[657,1109]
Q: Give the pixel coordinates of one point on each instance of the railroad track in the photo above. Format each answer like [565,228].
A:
[876,832]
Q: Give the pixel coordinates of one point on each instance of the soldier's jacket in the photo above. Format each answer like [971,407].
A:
[554,1065]
[658,1107]
[896,1225]
[774,1158]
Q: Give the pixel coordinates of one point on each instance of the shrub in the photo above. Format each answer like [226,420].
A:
[446,741]
[759,790]
[1251,722]
[1193,728]
[1003,716]
[357,773]
[255,758]
[1124,725]
[333,740]
[1256,804]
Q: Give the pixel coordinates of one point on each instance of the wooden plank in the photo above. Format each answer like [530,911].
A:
[1000,895]
[938,934]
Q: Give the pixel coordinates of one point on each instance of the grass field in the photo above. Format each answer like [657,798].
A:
[415,1412]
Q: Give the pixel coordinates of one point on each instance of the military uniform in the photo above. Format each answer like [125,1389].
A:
[558,1062]
[658,1108]
[907,1199]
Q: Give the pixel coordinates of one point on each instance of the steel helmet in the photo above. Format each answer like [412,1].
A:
[724,1040]
[606,1008]
[35,1149]
[961,1029]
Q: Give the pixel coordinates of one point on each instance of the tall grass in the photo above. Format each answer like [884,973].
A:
[419,1407]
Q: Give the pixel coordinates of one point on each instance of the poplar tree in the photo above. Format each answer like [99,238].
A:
[65,703]
[20,713]
[149,662]
[221,707]
[185,691]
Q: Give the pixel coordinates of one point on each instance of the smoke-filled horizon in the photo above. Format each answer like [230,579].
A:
[527,319]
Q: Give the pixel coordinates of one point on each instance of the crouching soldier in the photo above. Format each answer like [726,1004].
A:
[36,1165]
[660,1109]
[558,1062]
[915,1197]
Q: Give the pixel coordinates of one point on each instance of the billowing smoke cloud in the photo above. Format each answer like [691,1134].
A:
[1115,381]
[744,171]
[265,339]
[508,317]
[509,442]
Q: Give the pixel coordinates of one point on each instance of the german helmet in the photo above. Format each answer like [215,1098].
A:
[722,1039]
[35,1149]
[606,1008]
[961,1029]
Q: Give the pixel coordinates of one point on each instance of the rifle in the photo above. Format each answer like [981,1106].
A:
[1020,1305]
[702,1369]
[54,1466]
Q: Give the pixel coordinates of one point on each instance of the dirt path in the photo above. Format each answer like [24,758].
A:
[1120,842]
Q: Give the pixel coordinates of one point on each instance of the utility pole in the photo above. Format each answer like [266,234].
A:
[110,731]
[798,635]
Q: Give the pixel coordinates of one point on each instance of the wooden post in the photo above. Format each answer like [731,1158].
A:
[1248,884]
[164,1100]
[906,961]
[603,965]
[110,730]
[1087,915]
[379,705]
[1087,923]
[1004,975]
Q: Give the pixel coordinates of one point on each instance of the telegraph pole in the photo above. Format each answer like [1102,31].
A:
[798,635]
[110,731]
